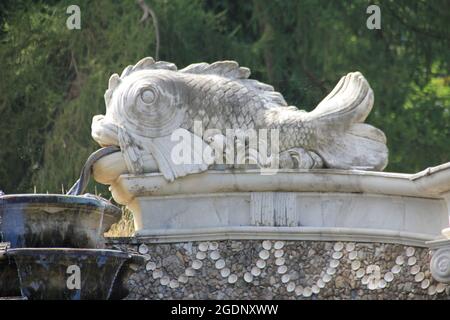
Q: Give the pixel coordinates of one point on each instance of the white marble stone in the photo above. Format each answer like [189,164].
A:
[150,101]
[220,204]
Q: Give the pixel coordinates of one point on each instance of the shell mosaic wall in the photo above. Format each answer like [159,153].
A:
[251,269]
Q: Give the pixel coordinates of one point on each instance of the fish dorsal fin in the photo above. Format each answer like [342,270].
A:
[232,70]
[147,63]
[228,69]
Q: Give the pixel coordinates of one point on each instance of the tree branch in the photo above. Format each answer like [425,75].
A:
[318,83]
[148,11]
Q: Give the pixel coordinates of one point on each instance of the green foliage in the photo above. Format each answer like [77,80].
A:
[53,79]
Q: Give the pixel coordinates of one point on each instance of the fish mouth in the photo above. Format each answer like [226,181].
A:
[104,132]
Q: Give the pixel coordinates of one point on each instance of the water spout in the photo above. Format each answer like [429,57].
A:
[79,186]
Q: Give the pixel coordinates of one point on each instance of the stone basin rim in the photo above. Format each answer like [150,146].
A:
[96,203]
[67,251]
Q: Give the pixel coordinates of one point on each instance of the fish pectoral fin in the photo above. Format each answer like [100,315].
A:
[180,154]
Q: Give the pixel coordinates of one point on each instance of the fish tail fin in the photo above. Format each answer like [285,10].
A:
[344,141]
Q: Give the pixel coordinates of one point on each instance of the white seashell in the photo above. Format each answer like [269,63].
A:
[174,284]
[338,246]
[307,292]
[320,283]
[353,255]
[349,247]
[315,289]
[365,280]
[372,283]
[225,272]
[414,269]
[282,269]
[248,277]
[189,272]
[278,245]
[214,255]
[203,246]
[425,284]
[147,257]
[377,274]
[157,274]
[412,261]
[382,284]
[372,268]
[337,255]
[232,278]
[164,281]
[396,269]
[280,261]
[183,278]
[432,290]
[290,287]
[143,249]
[334,263]
[256,271]
[440,287]
[356,265]
[331,271]
[200,255]
[360,273]
[299,290]
[278,253]
[213,246]
[197,264]
[220,264]
[410,251]
[326,278]
[285,278]
[400,260]
[267,245]
[389,276]
[150,266]
[261,263]
[264,254]
[419,277]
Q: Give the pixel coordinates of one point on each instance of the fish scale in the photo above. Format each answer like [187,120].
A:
[237,105]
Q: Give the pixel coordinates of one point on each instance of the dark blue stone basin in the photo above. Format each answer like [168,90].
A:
[9,281]
[50,220]
[44,272]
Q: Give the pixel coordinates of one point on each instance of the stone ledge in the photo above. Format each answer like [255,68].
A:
[283,233]
[430,183]
[400,205]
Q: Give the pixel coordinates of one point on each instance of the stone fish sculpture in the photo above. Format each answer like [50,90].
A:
[148,101]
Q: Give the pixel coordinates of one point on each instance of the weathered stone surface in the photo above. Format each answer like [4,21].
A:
[151,100]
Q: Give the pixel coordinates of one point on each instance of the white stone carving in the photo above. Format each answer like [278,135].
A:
[150,100]
[440,265]
[273,209]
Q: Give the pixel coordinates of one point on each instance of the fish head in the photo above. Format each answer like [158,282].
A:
[147,100]
[149,103]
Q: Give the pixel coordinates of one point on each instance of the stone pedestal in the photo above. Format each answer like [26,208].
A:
[292,204]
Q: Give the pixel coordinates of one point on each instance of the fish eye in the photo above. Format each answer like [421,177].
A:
[148,96]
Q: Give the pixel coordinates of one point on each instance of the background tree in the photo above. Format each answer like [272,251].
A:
[53,79]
